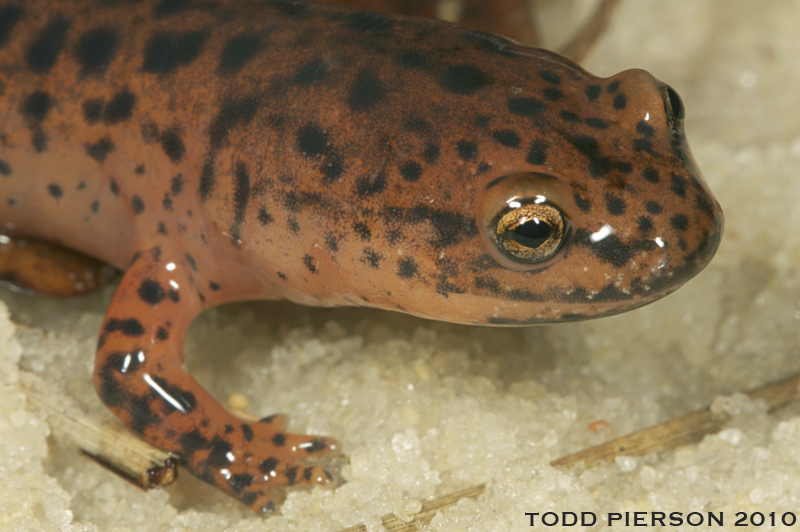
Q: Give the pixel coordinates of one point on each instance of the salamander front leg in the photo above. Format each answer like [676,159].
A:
[138,375]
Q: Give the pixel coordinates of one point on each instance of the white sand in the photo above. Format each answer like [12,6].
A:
[425,408]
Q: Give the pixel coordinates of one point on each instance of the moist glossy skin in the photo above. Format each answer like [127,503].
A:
[226,150]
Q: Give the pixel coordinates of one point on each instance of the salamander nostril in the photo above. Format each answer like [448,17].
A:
[675,103]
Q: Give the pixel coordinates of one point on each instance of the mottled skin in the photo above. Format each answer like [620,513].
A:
[223,150]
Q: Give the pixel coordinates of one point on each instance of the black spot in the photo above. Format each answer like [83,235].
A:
[241,196]
[411,171]
[645,224]
[653,207]
[95,50]
[597,123]
[550,77]
[95,206]
[537,154]
[177,184]
[129,327]
[44,51]
[406,267]
[213,286]
[36,107]
[582,203]
[506,137]
[162,334]
[308,261]
[465,79]
[650,174]
[552,94]
[279,440]
[370,185]
[643,145]
[615,205]
[291,475]
[218,457]
[268,466]
[526,106]
[81,185]
[161,229]
[613,250]
[620,101]
[9,16]
[11,202]
[139,170]
[250,497]
[207,181]
[114,187]
[467,149]
[120,108]
[232,114]
[166,52]
[151,292]
[593,92]
[39,141]
[247,432]
[282,276]
[307,472]
[366,92]
[191,442]
[431,153]
[704,205]
[5,168]
[172,144]
[678,185]
[362,230]
[613,87]
[569,116]
[679,222]
[311,72]
[100,149]
[238,51]
[192,263]
[240,481]
[598,165]
[312,141]
[166,8]
[371,257]
[137,204]
[645,129]
[368,22]
[332,170]
[142,415]
[488,283]
[55,191]
[264,217]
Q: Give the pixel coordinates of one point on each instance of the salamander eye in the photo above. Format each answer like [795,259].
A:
[674,102]
[529,231]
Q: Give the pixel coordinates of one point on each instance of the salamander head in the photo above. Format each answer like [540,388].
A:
[609,213]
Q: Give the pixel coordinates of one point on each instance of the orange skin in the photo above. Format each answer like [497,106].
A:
[280,149]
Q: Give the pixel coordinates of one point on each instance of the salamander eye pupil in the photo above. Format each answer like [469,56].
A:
[530,232]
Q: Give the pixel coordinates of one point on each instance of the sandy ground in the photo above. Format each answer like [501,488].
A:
[424,409]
